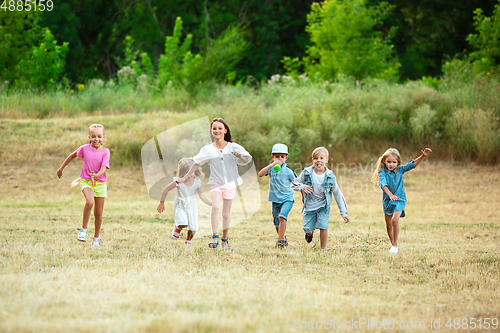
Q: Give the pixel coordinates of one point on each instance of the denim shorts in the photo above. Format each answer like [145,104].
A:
[316,219]
[281,209]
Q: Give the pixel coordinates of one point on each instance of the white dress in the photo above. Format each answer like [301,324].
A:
[185,206]
[223,164]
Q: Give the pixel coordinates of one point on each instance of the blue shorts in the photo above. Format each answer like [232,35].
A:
[281,209]
[316,219]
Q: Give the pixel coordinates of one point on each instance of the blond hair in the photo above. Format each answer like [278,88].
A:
[97,126]
[184,166]
[381,161]
[318,151]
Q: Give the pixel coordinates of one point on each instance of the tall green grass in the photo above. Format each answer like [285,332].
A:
[355,120]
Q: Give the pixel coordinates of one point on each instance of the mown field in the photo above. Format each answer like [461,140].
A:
[141,280]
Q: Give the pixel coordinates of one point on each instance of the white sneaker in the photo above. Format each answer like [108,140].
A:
[394,249]
[82,234]
[96,241]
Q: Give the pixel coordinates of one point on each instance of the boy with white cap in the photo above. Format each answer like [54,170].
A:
[280,192]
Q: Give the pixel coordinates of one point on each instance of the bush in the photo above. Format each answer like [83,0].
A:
[345,41]
[486,58]
[474,134]
[45,64]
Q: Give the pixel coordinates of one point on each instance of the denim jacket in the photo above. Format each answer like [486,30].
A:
[330,184]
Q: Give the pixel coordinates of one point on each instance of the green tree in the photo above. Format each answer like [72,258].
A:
[346,41]
[223,54]
[182,67]
[178,65]
[431,32]
[486,57]
[19,32]
[45,63]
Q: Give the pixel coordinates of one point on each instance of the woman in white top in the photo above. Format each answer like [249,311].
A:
[224,156]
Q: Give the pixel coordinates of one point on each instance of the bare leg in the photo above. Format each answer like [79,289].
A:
[388,224]
[226,219]
[190,235]
[282,228]
[395,227]
[216,196]
[323,238]
[98,209]
[89,203]
[278,231]
[178,228]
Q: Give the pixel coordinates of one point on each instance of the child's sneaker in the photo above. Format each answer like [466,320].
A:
[82,234]
[309,237]
[96,241]
[286,241]
[280,244]
[394,249]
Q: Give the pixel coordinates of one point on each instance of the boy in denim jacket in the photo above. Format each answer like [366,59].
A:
[319,183]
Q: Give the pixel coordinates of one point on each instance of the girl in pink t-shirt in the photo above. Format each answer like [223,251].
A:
[92,179]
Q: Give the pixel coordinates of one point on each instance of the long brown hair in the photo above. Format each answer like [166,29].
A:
[227,136]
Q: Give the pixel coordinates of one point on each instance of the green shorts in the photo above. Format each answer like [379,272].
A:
[99,188]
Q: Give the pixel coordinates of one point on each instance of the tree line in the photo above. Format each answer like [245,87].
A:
[189,41]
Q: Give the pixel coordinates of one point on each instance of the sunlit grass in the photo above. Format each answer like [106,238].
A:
[142,280]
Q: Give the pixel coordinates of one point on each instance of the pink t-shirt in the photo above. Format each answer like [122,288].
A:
[92,161]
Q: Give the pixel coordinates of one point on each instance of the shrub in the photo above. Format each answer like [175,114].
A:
[474,133]
[345,41]
[45,64]
[486,58]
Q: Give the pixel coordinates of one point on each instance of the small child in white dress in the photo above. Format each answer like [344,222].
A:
[185,206]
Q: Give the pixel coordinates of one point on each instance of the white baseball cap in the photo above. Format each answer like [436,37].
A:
[280,148]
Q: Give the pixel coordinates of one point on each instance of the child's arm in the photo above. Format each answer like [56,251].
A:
[389,193]
[241,154]
[242,158]
[264,170]
[70,158]
[339,198]
[99,174]
[419,159]
[168,188]
[297,184]
[382,181]
[203,197]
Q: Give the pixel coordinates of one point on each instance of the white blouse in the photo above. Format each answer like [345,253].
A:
[223,164]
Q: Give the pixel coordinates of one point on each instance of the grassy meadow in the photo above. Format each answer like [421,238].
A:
[141,280]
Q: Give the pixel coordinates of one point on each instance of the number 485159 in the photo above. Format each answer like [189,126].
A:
[27,5]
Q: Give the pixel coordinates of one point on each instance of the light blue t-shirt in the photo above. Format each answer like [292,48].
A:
[279,184]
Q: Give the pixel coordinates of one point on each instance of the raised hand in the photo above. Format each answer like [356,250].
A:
[426,151]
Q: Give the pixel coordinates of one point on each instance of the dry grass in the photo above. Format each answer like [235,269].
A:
[143,281]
